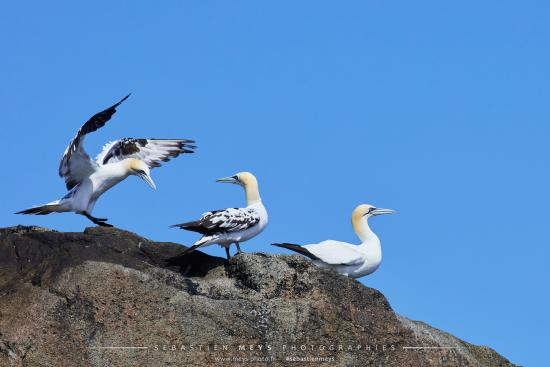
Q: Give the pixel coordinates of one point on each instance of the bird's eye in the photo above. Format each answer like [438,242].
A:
[139,171]
[235,177]
[372,209]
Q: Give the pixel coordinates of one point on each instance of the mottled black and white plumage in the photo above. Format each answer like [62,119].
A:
[232,225]
[150,151]
[219,221]
[88,179]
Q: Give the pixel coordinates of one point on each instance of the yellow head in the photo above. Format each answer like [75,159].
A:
[361,214]
[248,181]
[139,168]
[245,179]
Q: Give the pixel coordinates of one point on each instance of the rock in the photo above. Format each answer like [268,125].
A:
[108,297]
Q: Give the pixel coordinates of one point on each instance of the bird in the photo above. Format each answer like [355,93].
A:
[87,179]
[231,225]
[354,261]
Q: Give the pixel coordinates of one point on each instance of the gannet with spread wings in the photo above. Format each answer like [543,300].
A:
[87,179]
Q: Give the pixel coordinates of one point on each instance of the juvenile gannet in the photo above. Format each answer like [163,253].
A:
[88,179]
[354,261]
[232,225]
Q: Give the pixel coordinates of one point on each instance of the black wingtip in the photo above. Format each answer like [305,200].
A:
[283,245]
[125,98]
[296,248]
[188,250]
[184,225]
[122,100]
[29,211]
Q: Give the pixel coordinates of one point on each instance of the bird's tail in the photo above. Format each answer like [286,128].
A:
[180,225]
[53,207]
[296,248]
[194,226]
[197,244]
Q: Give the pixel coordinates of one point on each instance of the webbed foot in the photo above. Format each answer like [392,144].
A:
[98,221]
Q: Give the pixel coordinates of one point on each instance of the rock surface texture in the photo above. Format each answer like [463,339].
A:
[107,297]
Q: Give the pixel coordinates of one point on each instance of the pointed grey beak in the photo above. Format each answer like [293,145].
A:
[232,180]
[380,211]
[148,179]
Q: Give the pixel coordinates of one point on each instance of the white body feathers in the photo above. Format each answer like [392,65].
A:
[354,261]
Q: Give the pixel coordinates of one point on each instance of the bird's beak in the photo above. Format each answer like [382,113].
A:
[232,180]
[379,211]
[148,179]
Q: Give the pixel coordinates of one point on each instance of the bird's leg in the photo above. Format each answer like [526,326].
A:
[238,248]
[227,253]
[99,221]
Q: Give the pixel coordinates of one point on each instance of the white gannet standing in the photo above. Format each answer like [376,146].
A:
[354,261]
[88,179]
[232,225]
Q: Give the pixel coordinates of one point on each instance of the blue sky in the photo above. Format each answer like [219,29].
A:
[436,109]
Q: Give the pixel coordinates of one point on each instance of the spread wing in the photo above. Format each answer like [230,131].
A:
[336,253]
[76,165]
[223,221]
[150,151]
